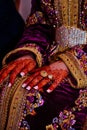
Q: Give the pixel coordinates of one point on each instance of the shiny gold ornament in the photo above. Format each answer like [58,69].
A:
[43,73]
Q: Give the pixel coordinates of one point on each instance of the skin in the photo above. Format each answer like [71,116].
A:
[24,64]
[57,71]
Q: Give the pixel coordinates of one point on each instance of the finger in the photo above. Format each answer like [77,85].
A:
[29,79]
[42,83]
[16,71]
[30,66]
[35,81]
[54,84]
[6,71]
[9,67]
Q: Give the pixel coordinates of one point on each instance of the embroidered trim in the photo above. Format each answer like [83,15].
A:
[83,14]
[68,37]
[64,6]
[74,66]
[37,17]
[47,7]
[26,48]
[81,56]
[18,103]
[34,100]
[5,100]
[16,107]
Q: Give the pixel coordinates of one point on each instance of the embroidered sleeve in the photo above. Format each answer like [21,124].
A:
[31,49]
[76,60]
[36,39]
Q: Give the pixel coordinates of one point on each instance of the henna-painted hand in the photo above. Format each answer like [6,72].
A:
[20,66]
[50,76]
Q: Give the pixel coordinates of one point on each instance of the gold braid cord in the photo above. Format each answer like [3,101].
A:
[69,12]
[74,66]
[31,49]
[11,105]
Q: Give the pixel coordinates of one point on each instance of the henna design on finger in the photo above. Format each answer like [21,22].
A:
[43,82]
[15,72]
[29,79]
[30,66]
[35,81]
[58,78]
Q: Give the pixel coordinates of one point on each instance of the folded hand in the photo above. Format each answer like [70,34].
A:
[50,76]
[19,66]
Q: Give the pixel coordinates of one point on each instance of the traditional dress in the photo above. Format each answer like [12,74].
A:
[55,29]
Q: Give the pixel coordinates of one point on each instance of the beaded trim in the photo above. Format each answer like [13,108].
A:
[67,37]
[83,14]
[48,9]
[74,12]
[74,66]
[81,56]
[33,49]
[18,103]
[5,100]
[34,100]
[17,107]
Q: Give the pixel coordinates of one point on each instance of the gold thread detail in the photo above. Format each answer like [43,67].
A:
[74,66]
[16,108]
[6,98]
[32,49]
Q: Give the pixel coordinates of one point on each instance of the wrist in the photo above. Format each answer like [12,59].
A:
[62,65]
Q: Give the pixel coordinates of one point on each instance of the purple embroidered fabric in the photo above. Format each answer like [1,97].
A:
[64,96]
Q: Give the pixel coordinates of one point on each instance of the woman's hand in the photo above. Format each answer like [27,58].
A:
[20,66]
[50,76]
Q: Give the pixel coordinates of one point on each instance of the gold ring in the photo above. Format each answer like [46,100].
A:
[43,73]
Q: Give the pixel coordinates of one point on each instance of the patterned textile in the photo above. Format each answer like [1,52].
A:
[66,107]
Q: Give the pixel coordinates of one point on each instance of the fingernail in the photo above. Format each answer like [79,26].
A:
[22,74]
[28,87]
[24,85]
[36,87]
[9,85]
[49,90]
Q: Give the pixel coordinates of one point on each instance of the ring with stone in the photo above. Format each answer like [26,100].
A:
[43,73]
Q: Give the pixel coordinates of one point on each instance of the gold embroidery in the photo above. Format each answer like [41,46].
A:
[69,12]
[6,101]
[49,127]
[29,48]
[16,108]
[74,11]
[64,6]
[37,17]
[74,66]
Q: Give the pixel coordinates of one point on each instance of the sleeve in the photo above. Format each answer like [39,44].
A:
[76,61]
[36,38]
